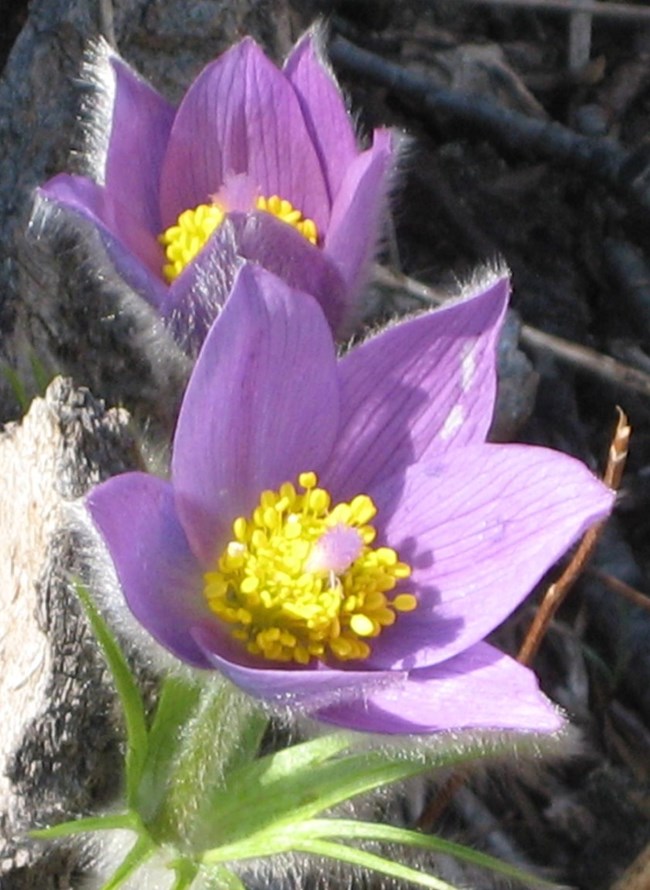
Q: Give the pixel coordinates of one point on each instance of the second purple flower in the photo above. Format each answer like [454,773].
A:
[256,163]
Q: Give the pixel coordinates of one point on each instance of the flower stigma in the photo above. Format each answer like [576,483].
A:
[300,579]
[189,235]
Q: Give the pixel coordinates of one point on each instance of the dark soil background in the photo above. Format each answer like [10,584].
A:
[487,177]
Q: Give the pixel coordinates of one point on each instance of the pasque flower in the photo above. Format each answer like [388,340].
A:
[337,534]
[256,162]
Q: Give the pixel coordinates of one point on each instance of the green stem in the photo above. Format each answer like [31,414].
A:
[139,853]
[224,733]
[186,871]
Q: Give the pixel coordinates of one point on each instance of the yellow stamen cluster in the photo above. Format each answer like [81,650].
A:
[285,211]
[190,234]
[183,241]
[283,611]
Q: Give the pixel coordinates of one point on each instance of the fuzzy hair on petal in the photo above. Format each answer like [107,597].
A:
[96,115]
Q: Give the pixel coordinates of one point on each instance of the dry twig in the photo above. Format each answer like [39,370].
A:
[620,12]
[557,592]
[637,876]
[579,37]
[581,357]
[630,593]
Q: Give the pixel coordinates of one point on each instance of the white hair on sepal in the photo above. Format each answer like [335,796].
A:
[319,32]
[84,267]
[479,745]
[481,278]
[98,82]
[99,576]
[379,238]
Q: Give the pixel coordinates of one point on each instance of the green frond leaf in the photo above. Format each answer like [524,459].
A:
[351,829]
[355,856]
[128,693]
[83,825]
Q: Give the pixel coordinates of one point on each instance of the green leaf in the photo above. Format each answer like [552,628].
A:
[270,843]
[280,765]
[42,377]
[128,693]
[351,829]
[250,794]
[177,702]
[355,856]
[17,386]
[261,797]
[137,856]
[91,823]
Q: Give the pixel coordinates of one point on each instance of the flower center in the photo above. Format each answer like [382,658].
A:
[189,235]
[300,579]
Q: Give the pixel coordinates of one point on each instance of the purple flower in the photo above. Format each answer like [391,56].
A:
[337,533]
[256,162]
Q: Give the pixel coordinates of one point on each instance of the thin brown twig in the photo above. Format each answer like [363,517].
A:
[589,360]
[597,8]
[637,876]
[557,592]
[436,807]
[621,587]
[582,357]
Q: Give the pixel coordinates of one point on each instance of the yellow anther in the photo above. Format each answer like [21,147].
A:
[184,240]
[239,528]
[300,581]
[285,211]
[404,602]
[362,625]
[249,584]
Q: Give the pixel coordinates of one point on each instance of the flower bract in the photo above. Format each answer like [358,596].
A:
[255,163]
[337,534]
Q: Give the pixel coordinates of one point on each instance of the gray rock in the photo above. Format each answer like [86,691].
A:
[59,742]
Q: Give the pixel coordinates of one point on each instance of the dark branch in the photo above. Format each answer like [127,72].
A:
[623,172]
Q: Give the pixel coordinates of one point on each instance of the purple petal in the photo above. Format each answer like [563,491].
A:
[141,123]
[417,388]
[479,689]
[326,116]
[282,250]
[308,687]
[354,228]
[479,528]
[159,575]
[137,256]
[196,296]
[260,408]
[241,115]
